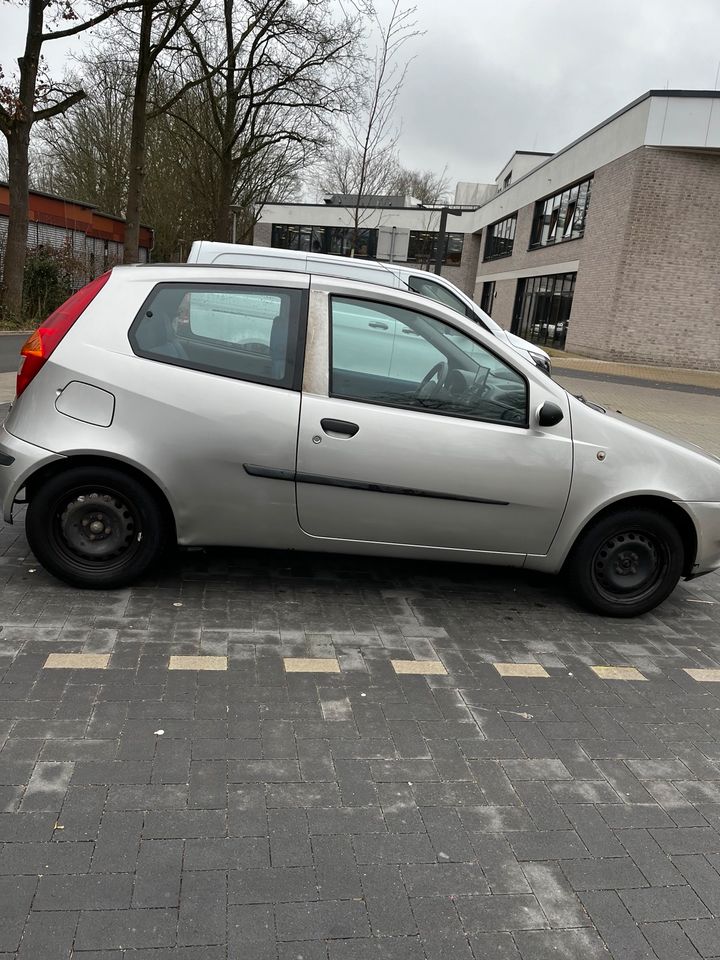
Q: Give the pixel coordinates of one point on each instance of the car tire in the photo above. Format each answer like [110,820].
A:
[96,527]
[626,563]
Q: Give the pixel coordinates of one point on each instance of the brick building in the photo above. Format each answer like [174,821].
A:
[92,239]
[609,247]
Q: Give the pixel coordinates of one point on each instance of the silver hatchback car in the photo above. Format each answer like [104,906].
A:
[225,406]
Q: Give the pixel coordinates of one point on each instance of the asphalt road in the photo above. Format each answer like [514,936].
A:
[10,351]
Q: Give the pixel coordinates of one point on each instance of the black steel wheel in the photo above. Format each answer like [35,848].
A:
[627,563]
[95,527]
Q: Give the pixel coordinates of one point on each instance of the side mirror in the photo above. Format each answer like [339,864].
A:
[549,414]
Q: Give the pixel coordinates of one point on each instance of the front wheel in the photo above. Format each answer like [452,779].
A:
[626,563]
[95,527]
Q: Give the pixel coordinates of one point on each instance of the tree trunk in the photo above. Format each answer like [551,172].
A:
[136,167]
[16,246]
[223,214]
[17,134]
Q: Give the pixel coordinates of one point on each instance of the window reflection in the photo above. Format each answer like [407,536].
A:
[562,216]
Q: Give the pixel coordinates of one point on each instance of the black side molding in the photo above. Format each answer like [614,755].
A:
[273,473]
[6,459]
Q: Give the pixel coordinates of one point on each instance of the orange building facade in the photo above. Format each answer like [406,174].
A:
[93,239]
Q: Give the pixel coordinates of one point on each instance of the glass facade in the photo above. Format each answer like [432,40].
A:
[562,216]
[338,240]
[499,238]
[423,245]
[542,308]
[335,240]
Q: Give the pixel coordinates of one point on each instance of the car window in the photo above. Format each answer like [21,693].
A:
[393,356]
[436,291]
[364,337]
[251,333]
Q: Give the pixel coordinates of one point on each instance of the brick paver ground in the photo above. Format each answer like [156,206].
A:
[250,812]
[707,379]
[508,802]
[692,416]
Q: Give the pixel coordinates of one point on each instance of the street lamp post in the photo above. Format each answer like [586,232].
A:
[442,236]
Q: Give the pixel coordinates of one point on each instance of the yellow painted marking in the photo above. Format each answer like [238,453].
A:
[430,667]
[77,661]
[521,670]
[706,676]
[311,665]
[618,673]
[198,663]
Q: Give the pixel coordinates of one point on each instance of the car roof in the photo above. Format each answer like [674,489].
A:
[360,286]
[216,252]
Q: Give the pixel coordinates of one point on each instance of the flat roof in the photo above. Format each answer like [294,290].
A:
[688,94]
[76,203]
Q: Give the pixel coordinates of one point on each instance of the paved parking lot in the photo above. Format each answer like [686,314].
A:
[690,414]
[503,800]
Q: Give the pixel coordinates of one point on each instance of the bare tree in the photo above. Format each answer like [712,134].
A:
[25,99]
[84,153]
[275,72]
[160,23]
[365,163]
[426,186]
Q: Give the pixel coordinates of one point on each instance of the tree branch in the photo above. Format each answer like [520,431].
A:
[93,22]
[60,107]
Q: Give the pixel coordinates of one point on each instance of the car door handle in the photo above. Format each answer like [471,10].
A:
[340,426]
[378,326]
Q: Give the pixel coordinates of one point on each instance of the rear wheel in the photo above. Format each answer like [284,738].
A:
[95,527]
[627,563]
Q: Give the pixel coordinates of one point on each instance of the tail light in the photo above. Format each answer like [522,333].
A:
[41,343]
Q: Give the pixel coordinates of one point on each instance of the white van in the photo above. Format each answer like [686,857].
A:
[370,271]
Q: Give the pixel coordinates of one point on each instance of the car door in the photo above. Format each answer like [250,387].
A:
[449,459]
[215,382]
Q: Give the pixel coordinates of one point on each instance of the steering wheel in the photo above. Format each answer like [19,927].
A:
[440,370]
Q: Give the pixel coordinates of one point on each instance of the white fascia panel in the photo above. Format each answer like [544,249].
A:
[682,122]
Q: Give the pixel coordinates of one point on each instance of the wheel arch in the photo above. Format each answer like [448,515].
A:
[57,467]
[662,505]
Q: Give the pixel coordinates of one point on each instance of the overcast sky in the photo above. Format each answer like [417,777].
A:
[492,77]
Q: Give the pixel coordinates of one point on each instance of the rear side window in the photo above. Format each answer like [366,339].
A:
[250,333]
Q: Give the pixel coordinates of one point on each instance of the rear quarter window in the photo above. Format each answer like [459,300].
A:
[250,333]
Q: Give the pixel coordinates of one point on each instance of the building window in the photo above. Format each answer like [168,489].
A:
[336,240]
[488,295]
[507,181]
[562,216]
[422,247]
[499,238]
[542,308]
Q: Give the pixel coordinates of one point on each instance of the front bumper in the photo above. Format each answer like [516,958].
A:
[706,517]
[18,461]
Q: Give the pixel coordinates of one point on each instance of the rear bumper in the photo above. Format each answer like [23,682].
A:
[18,461]
[706,517]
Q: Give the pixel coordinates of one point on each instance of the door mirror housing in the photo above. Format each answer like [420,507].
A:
[549,414]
